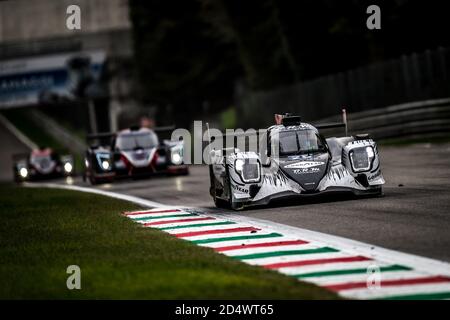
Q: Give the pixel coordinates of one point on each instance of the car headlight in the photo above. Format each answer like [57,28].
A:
[176,155]
[68,167]
[104,161]
[249,171]
[105,164]
[176,158]
[362,158]
[23,172]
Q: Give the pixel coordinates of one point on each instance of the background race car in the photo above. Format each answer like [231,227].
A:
[132,152]
[41,163]
[305,163]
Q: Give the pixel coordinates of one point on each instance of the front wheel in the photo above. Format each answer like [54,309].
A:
[221,204]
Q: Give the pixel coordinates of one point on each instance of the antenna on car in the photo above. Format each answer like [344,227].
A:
[209,141]
[344,120]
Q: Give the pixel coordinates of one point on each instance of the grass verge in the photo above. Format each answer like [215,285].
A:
[43,231]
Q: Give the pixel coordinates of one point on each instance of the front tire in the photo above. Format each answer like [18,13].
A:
[221,204]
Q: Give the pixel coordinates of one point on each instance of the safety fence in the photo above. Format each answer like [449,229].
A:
[411,120]
[415,77]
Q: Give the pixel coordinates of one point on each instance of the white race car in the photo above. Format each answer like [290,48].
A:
[296,161]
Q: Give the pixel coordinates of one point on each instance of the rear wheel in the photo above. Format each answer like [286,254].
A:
[220,203]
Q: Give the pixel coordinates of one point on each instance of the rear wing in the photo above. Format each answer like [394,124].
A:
[102,135]
[163,129]
[333,125]
[164,132]
[99,139]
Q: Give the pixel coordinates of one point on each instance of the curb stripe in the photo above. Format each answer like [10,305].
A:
[431,277]
[261,245]
[424,296]
[199,225]
[389,291]
[349,271]
[256,236]
[402,282]
[316,261]
[134,213]
[216,231]
[177,221]
[163,217]
[284,253]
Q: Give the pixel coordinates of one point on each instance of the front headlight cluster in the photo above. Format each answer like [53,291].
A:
[248,170]
[68,167]
[23,172]
[176,155]
[362,158]
[104,161]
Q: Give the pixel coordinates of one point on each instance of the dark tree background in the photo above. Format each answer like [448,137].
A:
[190,54]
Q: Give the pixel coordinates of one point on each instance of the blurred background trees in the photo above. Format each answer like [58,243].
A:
[193,55]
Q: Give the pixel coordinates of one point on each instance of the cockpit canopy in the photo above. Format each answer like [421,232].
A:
[295,142]
[136,140]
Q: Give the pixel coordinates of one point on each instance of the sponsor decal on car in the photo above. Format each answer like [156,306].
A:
[239,189]
[374,176]
[306,170]
[304,164]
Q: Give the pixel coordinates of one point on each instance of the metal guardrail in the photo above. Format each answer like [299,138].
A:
[414,77]
[423,118]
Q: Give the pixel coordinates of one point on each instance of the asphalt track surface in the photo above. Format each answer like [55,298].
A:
[413,216]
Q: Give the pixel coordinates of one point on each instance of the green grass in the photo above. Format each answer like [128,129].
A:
[21,119]
[43,231]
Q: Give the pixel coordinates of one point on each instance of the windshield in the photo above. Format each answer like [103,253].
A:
[40,158]
[299,142]
[134,141]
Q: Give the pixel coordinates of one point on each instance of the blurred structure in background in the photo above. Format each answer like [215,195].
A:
[232,63]
[237,62]
[81,76]
[407,96]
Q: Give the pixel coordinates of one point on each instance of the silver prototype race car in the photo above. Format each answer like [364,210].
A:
[295,160]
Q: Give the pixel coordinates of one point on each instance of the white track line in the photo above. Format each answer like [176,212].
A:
[386,291]
[345,247]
